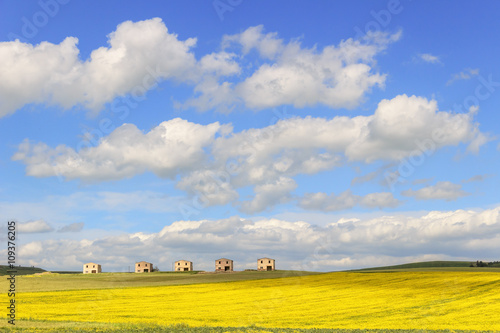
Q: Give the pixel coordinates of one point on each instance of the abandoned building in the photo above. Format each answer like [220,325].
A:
[143,267]
[265,264]
[91,268]
[183,266]
[223,265]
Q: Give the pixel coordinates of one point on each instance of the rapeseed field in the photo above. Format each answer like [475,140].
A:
[344,300]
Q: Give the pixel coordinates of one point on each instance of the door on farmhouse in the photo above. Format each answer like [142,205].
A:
[269,268]
[146,270]
[94,271]
[185,269]
[226,268]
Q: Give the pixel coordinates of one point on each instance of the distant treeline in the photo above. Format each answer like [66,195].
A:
[485,264]
[19,270]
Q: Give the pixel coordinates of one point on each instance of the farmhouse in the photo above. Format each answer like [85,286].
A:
[223,265]
[265,264]
[91,268]
[143,267]
[183,266]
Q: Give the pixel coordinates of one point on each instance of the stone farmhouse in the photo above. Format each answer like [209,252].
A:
[223,265]
[183,266]
[91,268]
[266,264]
[143,267]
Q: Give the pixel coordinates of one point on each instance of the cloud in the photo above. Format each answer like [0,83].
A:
[268,45]
[476,178]
[214,188]
[329,202]
[268,195]
[342,244]
[466,74]
[366,178]
[336,76]
[422,181]
[37,226]
[139,55]
[73,227]
[379,200]
[411,125]
[346,200]
[401,127]
[432,59]
[171,147]
[372,175]
[213,161]
[441,191]
[32,249]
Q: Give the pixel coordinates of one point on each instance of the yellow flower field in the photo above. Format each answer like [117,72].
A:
[395,300]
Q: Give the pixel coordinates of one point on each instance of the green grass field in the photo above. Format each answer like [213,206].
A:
[59,282]
[54,282]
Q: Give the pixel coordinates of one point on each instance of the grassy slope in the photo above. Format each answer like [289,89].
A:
[424,264]
[54,282]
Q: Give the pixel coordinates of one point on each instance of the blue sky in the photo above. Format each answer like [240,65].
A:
[363,133]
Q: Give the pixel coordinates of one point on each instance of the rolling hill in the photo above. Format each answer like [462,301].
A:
[423,264]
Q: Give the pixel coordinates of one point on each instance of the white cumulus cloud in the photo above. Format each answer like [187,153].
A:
[335,76]
[268,195]
[171,147]
[139,55]
[342,244]
[215,161]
